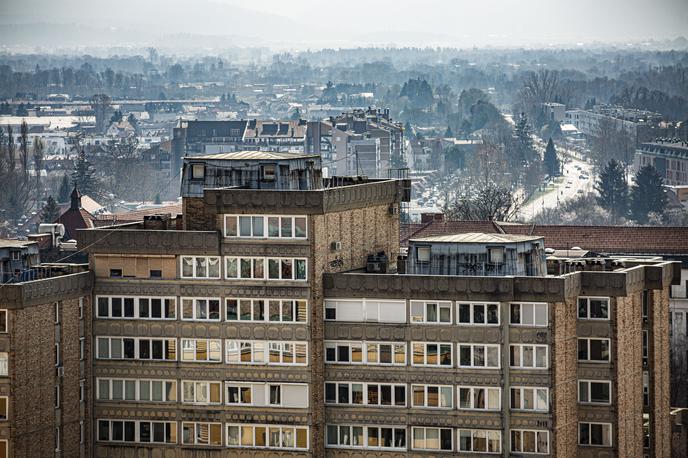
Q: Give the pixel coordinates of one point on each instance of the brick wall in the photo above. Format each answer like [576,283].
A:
[564,375]
[197,215]
[660,418]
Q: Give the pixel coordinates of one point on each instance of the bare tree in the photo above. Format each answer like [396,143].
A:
[491,202]
[38,147]
[101,105]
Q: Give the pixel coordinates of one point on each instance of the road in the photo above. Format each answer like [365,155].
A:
[567,188]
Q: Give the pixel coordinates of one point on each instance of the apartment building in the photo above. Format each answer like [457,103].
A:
[45,352]
[668,157]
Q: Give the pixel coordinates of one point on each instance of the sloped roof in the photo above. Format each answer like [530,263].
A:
[478,237]
[137,215]
[255,155]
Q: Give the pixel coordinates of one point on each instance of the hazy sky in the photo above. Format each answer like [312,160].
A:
[308,23]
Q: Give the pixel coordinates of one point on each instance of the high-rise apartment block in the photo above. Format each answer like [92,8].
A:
[278,316]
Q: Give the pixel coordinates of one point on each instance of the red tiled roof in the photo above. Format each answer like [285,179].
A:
[137,215]
[75,219]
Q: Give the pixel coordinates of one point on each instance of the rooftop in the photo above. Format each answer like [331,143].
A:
[5,243]
[255,156]
[477,237]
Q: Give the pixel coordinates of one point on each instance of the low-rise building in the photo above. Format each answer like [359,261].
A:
[668,157]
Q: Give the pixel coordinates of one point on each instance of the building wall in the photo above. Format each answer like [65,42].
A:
[660,384]
[564,374]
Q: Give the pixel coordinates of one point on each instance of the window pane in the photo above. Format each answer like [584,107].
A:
[300,227]
[258,230]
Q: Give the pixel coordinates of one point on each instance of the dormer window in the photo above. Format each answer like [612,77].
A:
[423,254]
[269,172]
[496,255]
[197,171]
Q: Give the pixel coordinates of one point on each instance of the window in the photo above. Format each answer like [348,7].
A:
[362,310]
[197,171]
[376,394]
[3,408]
[646,347]
[202,350]
[82,348]
[593,308]
[3,321]
[646,388]
[200,309]
[155,273]
[480,440]
[265,268]
[599,434]
[202,393]
[261,310]
[143,390]
[529,441]
[432,438]
[138,431]
[594,391]
[596,350]
[423,254]
[57,355]
[261,226]
[81,308]
[57,312]
[201,433]
[143,308]
[431,354]
[479,314]
[366,437]
[479,398]
[3,364]
[268,436]
[528,315]
[57,439]
[432,396]
[431,312]
[646,302]
[479,356]
[137,348]
[523,356]
[202,267]
[373,353]
[530,398]
[115,273]
[82,390]
[81,432]
[291,395]
[265,352]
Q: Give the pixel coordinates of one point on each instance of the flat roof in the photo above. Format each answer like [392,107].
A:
[5,243]
[479,237]
[254,155]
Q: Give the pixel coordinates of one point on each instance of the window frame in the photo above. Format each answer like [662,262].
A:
[137,389]
[473,431]
[535,347]
[194,308]
[194,265]
[588,299]
[137,307]
[207,384]
[4,321]
[589,383]
[426,387]
[365,398]
[590,444]
[240,428]
[266,268]
[208,360]
[267,348]
[425,362]
[521,407]
[473,389]
[365,428]
[545,305]
[536,432]
[425,439]
[196,426]
[335,344]
[588,359]
[266,310]
[170,426]
[136,341]
[472,306]
[485,352]
[424,318]
[265,219]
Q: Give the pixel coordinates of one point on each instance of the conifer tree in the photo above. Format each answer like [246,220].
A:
[84,175]
[63,193]
[612,189]
[51,211]
[647,195]
[551,160]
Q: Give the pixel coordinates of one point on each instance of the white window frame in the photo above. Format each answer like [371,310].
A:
[473,389]
[137,307]
[365,400]
[81,308]
[266,270]
[194,275]
[485,347]
[137,388]
[185,345]
[587,307]
[234,345]
[589,383]
[4,364]
[172,425]
[295,305]
[535,306]
[594,361]
[425,429]
[535,432]
[196,384]
[363,345]
[240,427]
[113,339]
[521,407]
[535,349]
[265,227]
[199,424]
[472,306]
[439,353]
[474,432]
[82,348]
[365,445]
[57,312]
[424,318]
[590,423]
[426,388]
[195,306]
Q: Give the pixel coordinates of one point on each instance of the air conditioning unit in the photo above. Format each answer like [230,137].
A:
[60,371]
[336,246]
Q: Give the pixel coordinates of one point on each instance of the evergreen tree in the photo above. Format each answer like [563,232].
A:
[84,175]
[524,141]
[51,211]
[157,200]
[647,195]
[551,160]
[65,190]
[448,133]
[612,189]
